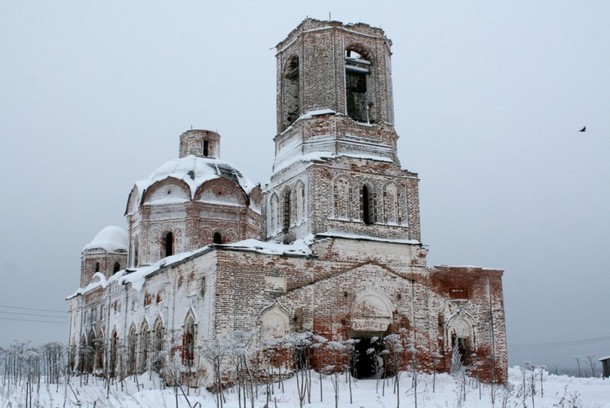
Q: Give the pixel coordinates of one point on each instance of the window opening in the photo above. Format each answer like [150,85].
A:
[206,148]
[132,351]
[217,238]
[113,354]
[143,348]
[291,91]
[158,347]
[286,225]
[97,267]
[368,206]
[168,244]
[188,343]
[117,267]
[357,88]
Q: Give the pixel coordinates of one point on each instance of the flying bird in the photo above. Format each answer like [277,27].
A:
[584,129]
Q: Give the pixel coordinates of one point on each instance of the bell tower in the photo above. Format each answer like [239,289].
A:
[336,168]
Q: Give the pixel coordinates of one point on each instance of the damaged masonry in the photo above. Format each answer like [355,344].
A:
[323,268]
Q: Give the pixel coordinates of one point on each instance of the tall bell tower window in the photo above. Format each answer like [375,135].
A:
[287,204]
[291,91]
[358,87]
[368,205]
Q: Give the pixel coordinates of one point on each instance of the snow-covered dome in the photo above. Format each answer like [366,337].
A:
[194,171]
[110,239]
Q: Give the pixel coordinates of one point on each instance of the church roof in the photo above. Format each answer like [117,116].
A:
[195,171]
[110,239]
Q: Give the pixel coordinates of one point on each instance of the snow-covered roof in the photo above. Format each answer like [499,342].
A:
[195,171]
[299,247]
[137,276]
[110,239]
[340,234]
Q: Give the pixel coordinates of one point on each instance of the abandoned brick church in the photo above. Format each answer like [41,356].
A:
[330,246]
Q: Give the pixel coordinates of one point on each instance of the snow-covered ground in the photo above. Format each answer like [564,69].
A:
[441,391]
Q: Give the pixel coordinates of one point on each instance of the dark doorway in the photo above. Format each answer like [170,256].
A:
[368,361]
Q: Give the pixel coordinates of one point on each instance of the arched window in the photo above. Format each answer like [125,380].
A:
[300,201]
[98,353]
[83,356]
[358,86]
[188,342]
[341,198]
[217,238]
[158,346]
[291,91]
[168,244]
[114,345]
[117,267]
[368,205]
[97,267]
[132,350]
[274,218]
[90,359]
[390,205]
[136,252]
[143,348]
[287,212]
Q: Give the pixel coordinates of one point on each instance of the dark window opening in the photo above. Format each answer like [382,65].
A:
[143,349]
[206,148]
[217,238]
[188,344]
[97,267]
[291,91]
[286,225]
[132,352]
[117,267]
[368,206]
[358,93]
[114,344]
[158,348]
[168,244]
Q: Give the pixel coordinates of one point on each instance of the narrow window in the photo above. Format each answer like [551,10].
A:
[168,244]
[143,348]
[188,343]
[368,205]
[117,267]
[217,238]
[97,267]
[132,351]
[158,347]
[286,225]
[291,91]
[274,214]
[206,148]
[136,253]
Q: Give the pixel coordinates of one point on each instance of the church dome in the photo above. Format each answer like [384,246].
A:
[194,172]
[110,239]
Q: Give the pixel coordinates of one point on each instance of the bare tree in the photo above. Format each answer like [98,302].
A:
[578,358]
[592,362]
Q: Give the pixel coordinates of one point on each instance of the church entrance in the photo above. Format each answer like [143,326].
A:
[368,362]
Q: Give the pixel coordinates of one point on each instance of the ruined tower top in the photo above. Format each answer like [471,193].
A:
[200,143]
[330,65]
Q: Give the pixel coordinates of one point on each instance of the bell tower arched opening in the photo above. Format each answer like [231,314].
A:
[359,86]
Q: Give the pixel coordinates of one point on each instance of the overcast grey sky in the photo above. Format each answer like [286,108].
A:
[489,98]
